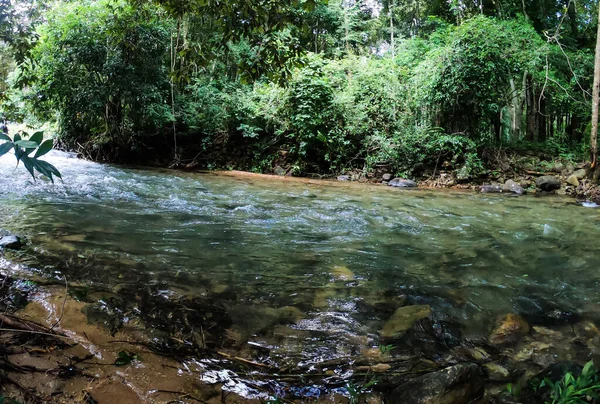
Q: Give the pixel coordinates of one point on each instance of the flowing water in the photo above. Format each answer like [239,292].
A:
[304,270]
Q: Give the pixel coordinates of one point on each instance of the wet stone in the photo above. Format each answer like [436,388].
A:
[538,311]
[513,187]
[509,329]
[491,189]
[402,183]
[403,319]
[10,242]
[458,384]
[496,372]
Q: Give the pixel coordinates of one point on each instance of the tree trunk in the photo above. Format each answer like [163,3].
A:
[532,111]
[517,112]
[595,100]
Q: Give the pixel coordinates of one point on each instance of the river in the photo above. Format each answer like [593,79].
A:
[296,272]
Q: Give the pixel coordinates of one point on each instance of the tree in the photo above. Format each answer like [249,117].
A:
[595,106]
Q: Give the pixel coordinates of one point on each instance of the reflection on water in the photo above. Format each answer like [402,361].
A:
[305,271]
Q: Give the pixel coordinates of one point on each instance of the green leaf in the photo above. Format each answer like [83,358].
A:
[5,148]
[26,144]
[4,136]
[47,167]
[44,148]
[28,163]
[37,137]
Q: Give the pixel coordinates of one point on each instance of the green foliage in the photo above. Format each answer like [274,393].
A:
[101,67]
[356,390]
[574,390]
[24,147]
[385,349]
[125,358]
[234,83]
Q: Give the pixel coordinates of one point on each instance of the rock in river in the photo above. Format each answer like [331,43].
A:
[402,183]
[459,384]
[491,189]
[11,242]
[513,187]
[539,311]
[403,319]
[548,183]
[509,329]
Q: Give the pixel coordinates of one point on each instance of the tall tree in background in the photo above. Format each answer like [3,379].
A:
[595,101]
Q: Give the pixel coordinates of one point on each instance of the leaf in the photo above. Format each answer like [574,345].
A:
[4,136]
[37,137]
[44,148]
[5,148]
[26,144]
[28,163]
[43,167]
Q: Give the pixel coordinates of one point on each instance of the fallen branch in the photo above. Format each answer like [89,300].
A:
[246,361]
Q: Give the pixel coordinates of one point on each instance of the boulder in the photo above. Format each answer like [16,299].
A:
[402,183]
[386,177]
[491,189]
[278,170]
[403,319]
[509,329]
[580,174]
[459,384]
[10,242]
[558,167]
[572,180]
[513,187]
[548,183]
[344,178]
[569,169]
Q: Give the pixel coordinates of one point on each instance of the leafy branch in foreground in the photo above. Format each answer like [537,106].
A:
[571,390]
[24,145]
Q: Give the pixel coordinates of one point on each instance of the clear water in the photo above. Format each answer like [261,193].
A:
[255,246]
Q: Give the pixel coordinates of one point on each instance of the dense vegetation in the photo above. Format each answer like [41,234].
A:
[315,87]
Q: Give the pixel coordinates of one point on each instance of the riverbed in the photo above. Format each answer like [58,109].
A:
[296,273]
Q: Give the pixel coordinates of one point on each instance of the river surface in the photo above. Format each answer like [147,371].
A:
[307,271]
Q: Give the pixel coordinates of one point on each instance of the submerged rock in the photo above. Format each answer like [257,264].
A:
[402,183]
[513,187]
[11,242]
[458,384]
[342,273]
[509,329]
[491,189]
[539,311]
[496,372]
[548,183]
[403,319]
